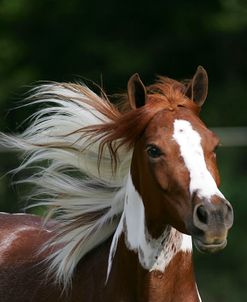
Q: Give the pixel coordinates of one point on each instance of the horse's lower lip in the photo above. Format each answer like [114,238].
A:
[209,248]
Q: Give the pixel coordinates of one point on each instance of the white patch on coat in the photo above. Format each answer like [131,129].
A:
[153,254]
[189,141]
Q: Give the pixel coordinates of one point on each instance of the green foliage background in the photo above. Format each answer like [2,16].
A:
[107,41]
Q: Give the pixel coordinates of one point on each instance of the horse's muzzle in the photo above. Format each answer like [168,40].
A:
[211,222]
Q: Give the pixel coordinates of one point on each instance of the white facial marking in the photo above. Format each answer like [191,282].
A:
[153,254]
[189,141]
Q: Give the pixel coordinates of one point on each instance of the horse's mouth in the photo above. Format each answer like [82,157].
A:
[209,248]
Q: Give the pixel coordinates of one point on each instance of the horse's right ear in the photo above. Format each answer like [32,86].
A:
[137,92]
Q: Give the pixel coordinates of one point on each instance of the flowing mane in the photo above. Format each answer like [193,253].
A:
[80,149]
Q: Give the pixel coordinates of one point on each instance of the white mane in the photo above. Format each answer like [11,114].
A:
[86,201]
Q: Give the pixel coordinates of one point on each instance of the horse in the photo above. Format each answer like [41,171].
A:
[127,186]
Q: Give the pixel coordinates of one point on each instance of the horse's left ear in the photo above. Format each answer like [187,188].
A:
[197,90]
[137,92]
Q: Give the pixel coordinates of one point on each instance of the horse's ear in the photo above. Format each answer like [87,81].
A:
[197,90]
[137,92]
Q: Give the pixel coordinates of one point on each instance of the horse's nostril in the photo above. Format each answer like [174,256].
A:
[229,215]
[209,216]
[202,214]
[201,217]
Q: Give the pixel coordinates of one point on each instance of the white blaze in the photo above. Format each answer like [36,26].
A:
[189,141]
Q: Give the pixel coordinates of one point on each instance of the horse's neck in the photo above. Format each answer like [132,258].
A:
[150,268]
[133,282]
[153,253]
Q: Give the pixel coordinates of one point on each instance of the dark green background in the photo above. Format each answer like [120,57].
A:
[107,41]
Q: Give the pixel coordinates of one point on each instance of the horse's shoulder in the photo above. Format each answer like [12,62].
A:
[21,237]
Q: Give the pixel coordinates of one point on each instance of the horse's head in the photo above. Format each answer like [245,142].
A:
[174,162]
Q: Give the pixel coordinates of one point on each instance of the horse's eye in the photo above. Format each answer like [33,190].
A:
[153,151]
